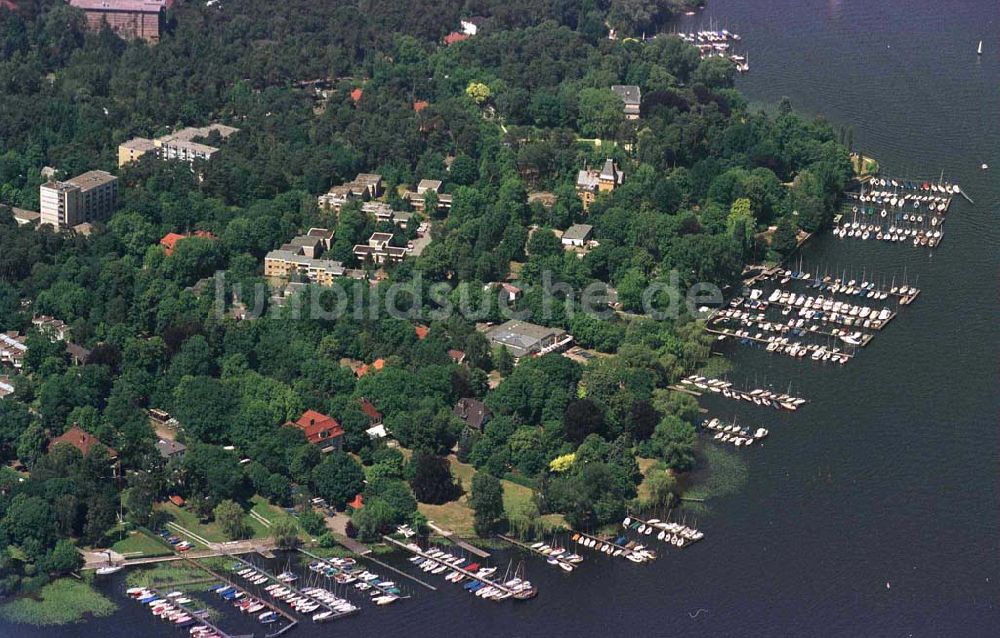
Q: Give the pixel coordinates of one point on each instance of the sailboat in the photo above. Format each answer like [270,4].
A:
[979,49]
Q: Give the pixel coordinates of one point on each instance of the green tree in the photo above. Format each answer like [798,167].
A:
[486,500]
[338,478]
[432,481]
[285,532]
[229,515]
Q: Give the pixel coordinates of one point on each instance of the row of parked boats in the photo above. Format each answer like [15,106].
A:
[785,345]
[621,546]
[558,556]
[482,581]
[933,203]
[246,603]
[842,285]
[829,309]
[676,534]
[169,608]
[757,396]
[735,434]
[803,326]
[891,234]
[925,186]
[346,571]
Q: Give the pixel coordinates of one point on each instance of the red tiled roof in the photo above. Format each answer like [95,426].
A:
[177,500]
[170,240]
[376,365]
[422,331]
[454,37]
[81,440]
[318,427]
[356,95]
[420,105]
[456,355]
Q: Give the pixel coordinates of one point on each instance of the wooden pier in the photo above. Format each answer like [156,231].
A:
[503,588]
[525,546]
[450,535]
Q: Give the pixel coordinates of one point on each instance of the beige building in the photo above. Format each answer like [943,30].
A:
[133,149]
[179,145]
[89,197]
[300,256]
[378,249]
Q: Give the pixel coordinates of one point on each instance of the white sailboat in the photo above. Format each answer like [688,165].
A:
[979,49]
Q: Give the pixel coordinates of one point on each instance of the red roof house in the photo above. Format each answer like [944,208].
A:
[420,105]
[456,355]
[177,500]
[81,440]
[320,429]
[356,95]
[169,241]
[357,503]
[422,331]
[454,37]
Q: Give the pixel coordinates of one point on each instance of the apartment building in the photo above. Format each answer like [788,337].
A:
[85,198]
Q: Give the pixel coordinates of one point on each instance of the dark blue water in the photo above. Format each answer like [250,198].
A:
[890,474]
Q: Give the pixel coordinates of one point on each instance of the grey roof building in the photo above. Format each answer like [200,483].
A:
[526,339]
[170,449]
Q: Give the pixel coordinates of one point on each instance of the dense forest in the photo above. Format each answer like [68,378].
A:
[509,113]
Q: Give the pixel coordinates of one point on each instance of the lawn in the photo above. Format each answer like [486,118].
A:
[58,603]
[212,532]
[139,544]
[458,516]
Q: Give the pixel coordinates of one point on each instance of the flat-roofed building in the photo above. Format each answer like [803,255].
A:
[129,19]
[89,197]
[525,339]
[300,257]
[133,149]
[378,249]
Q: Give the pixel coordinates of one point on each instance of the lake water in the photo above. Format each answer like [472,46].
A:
[890,474]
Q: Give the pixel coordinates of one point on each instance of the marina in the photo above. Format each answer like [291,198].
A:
[677,535]
[897,211]
[801,314]
[321,604]
[481,579]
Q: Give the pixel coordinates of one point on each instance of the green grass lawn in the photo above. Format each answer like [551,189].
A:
[212,532]
[458,516]
[58,603]
[137,544]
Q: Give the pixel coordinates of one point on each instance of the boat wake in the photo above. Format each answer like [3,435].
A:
[697,613]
